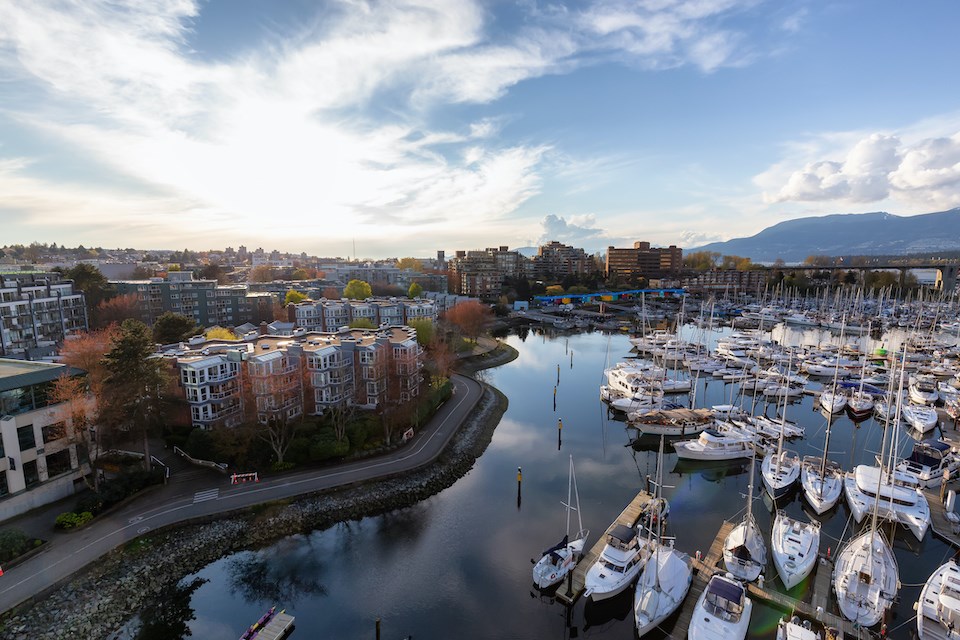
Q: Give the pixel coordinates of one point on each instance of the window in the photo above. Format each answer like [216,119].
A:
[58,463]
[53,432]
[26,437]
[4,489]
[30,474]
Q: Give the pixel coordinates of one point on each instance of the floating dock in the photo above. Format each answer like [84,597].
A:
[279,626]
[628,517]
[818,611]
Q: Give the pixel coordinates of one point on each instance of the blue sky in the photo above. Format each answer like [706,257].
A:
[412,126]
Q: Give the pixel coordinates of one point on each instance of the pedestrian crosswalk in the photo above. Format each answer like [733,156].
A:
[206,494]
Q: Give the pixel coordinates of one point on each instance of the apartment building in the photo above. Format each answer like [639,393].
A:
[37,311]
[643,260]
[480,274]
[40,460]
[726,280]
[557,260]
[285,377]
[205,301]
[331,315]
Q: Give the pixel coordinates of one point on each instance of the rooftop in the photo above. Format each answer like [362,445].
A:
[15,374]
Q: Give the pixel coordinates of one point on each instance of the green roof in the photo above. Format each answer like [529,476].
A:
[15,374]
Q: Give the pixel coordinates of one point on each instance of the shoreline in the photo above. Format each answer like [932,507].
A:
[102,599]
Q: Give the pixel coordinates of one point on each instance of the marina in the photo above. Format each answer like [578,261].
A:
[613,464]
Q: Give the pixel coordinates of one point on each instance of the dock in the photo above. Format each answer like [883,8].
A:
[279,626]
[628,517]
[942,527]
[818,611]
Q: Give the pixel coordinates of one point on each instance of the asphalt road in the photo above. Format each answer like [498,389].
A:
[175,503]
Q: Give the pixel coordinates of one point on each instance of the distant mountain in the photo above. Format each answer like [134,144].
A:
[847,234]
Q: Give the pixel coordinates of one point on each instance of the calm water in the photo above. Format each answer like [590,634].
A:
[458,564]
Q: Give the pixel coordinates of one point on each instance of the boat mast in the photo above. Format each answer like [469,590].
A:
[826,442]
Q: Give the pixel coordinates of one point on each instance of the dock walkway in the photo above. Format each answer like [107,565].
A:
[279,627]
[628,517]
[818,611]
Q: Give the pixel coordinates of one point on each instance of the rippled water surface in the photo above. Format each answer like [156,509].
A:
[458,564]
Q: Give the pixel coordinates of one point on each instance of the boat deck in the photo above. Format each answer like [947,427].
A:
[819,610]
[569,593]
[280,626]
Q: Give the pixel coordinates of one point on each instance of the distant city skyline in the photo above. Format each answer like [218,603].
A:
[417,125]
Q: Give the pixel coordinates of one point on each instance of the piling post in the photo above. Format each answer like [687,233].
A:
[378,628]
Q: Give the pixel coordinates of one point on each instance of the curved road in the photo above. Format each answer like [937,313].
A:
[66,555]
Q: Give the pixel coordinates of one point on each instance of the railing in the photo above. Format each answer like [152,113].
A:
[217,466]
[139,454]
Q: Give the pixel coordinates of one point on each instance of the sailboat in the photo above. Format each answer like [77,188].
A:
[794,544]
[781,469]
[744,552]
[666,577]
[865,577]
[559,560]
[822,479]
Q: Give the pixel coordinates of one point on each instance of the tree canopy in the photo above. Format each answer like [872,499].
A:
[293,297]
[424,329]
[262,273]
[357,290]
[173,327]
[220,333]
[471,317]
[410,263]
[415,290]
[362,323]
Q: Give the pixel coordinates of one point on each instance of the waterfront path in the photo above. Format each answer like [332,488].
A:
[209,494]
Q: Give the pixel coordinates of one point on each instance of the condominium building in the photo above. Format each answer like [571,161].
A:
[37,311]
[643,260]
[283,378]
[332,315]
[205,301]
[726,280]
[41,459]
[480,274]
[557,260]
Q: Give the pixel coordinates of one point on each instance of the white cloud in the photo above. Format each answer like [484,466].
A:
[909,171]
[579,230]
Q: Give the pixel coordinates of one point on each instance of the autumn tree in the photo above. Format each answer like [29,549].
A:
[172,327]
[133,383]
[293,297]
[299,274]
[701,260]
[424,329]
[91,281]
[220,333]
[116,310]
[72,404]
[331,293]
[554,290]
[415,290]
[471,317]
[357,290]
[213,271]
[261,273]
[410,263]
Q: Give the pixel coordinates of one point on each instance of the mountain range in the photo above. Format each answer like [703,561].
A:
[847,234]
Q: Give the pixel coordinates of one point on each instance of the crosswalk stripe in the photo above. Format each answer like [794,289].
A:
[207,494]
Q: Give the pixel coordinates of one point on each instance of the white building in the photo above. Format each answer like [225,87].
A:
[41,461]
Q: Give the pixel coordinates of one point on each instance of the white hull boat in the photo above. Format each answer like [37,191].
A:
[794,545]
[927,462]
[900,499]
[779,472]
[866,578]
[822,490]
[923,419]
[744,552]
[620,562]
[794,629]
[833,400]
[722,612]
[713,445]
[938,610]
[557,561]
[662,587]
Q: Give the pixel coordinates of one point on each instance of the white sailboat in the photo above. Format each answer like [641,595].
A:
[780,470]
[821,478]
[722,612]
[794,544]
[938,609]
[666,577]
[744,551]
[560,559]
[865,577]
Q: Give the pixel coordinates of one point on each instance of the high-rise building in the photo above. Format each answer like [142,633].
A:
[37,311]
[480,274]
[644,260]
[556,260]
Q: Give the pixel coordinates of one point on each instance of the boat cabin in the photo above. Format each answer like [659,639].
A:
[724,599]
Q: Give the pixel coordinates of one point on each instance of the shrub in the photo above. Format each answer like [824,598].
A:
[299,451]
[72,520]
[118,489]
[282,466]
[13,543]
[200,444]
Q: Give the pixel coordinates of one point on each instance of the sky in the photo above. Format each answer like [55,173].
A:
[403,127]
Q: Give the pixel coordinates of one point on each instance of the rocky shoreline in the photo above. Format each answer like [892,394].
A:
[98,602]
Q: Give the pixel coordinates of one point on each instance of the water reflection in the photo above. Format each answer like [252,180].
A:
[168,618]
[284,573]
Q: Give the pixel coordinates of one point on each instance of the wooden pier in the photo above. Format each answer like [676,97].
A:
[818,611]
[628,517]
[280,626]
[942,527]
